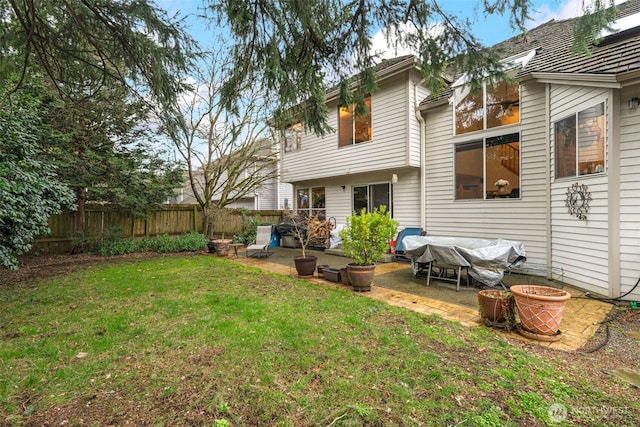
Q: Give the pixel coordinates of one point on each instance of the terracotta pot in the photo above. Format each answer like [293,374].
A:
[540,308]
[221,246]
[495,305]
[305,266]
[320,269]
[361,276]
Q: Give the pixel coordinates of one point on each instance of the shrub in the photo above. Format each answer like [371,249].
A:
[114,245]
[249,228]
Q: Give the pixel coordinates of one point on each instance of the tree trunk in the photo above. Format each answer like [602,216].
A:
[78,221]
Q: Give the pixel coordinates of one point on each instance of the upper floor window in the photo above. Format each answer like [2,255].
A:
[495,105]
[488,168]
[293,137]
[580,143]
[354,128]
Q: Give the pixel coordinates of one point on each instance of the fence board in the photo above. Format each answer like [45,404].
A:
[101,221]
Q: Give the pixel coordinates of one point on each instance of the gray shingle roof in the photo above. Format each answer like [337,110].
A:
[553,41]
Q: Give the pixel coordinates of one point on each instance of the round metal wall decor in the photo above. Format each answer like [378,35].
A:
[577,201]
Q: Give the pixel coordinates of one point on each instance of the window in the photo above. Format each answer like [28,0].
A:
[292,137]
[311,201]
[371,196]
[580,143]
[353,128]
[501,102]
[488,169]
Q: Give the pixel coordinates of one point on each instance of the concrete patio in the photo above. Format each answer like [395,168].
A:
[395,285]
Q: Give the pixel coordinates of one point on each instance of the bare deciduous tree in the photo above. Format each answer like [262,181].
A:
[228,154]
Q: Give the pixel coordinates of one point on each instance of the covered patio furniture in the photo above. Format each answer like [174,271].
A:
[485,260]
[260,248]
[399,254]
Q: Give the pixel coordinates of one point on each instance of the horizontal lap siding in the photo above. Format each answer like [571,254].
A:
[522,220]
[320,157]
[629,193]
[405,195]
[580,246]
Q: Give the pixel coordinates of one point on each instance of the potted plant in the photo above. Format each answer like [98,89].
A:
[539,309]
[496,308]
[366,238]
[220,246]
[303,231]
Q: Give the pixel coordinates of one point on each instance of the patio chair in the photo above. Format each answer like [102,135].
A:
[260,248]
[400,254]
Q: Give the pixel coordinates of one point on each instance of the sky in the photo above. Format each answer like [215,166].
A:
[490,30]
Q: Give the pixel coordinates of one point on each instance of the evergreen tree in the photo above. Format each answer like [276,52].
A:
[293,50]
[29,189]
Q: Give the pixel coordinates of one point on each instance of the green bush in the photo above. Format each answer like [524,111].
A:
[114,245]
[249,228]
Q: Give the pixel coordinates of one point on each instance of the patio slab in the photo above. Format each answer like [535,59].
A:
[395,285]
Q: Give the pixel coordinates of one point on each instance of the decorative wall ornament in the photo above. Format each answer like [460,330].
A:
[577,201]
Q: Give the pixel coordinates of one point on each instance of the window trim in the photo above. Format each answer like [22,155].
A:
[483,142]
[311,209]
[483,108]
[367,119]
[369,204]
[576,123]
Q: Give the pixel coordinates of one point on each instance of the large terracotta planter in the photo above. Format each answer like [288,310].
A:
[540,308]
[305,266]
[361,276]
[495,306]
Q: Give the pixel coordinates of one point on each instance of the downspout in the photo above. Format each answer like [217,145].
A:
[549,248]
[422,174]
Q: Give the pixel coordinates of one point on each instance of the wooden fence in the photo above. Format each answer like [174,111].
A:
[174,220]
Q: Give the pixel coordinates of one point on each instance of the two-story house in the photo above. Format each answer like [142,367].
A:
[370,160]
[552,160]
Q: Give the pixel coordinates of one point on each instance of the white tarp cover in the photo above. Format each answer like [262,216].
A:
[486,259]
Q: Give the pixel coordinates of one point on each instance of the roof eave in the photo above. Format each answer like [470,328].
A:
[578,79]
[434,104]
[391,71]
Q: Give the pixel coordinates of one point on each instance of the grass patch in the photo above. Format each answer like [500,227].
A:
[199,340]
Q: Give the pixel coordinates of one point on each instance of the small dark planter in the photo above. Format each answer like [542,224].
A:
[320,270]
[361,276]
[305,266]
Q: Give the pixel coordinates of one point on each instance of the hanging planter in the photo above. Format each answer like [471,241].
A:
[539,309]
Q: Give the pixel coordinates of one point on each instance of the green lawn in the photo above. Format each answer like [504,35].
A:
[199,340]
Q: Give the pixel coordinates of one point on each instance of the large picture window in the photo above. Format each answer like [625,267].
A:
[493,106]
[354,128]
[579,141]
[372,196]
[489,168]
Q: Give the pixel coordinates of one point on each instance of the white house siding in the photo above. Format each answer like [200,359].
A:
[580,246]
[524,220]
[405,194]
[629,194]
[320,157]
